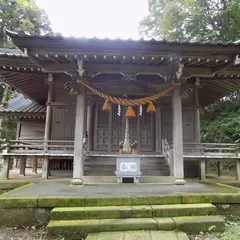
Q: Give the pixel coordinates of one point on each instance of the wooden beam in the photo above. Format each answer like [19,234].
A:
[122,68]
[33,58]
[22,166]
[59,67]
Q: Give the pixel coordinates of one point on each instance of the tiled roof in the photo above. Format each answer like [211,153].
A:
[19,104]
[152,40]
[11,52]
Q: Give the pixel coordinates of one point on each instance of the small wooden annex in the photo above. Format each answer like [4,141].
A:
[56,113]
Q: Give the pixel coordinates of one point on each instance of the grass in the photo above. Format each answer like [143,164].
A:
[232,231]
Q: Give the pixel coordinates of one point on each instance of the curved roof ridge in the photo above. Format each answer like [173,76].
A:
[95,38]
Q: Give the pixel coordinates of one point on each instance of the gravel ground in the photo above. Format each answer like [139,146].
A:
[24,234]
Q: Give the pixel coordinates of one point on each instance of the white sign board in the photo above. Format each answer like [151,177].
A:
[128,167]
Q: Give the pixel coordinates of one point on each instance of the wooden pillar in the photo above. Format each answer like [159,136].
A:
[78,161]
[197,115]
[22,166]
[48,122]
[220,168]
[10,164]
[178,165]
[5,172]
[203,168]
[238,169]
[207,167]
[45,167]
[34,165]
[89,127]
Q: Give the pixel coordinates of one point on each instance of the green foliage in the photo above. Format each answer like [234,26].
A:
[221,123]
[22,15]
[192,20]
[232,231]
[8,130]
[18,15]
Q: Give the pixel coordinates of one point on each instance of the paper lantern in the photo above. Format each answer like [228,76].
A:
[107,106]
[151,108]
[130,112]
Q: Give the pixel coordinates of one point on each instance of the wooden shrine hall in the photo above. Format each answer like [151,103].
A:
[82,101]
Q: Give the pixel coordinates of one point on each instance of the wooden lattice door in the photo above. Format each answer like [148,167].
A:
[109,130]
[101,136]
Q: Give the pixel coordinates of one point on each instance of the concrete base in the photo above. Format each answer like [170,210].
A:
[179,182]
[77,181]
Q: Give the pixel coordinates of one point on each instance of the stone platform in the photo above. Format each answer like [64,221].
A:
[64,188]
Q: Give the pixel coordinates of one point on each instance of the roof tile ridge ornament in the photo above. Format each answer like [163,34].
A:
[14,33]
[237,60]
[179,71]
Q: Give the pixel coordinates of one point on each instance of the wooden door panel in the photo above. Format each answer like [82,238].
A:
[141,130]
[63,123]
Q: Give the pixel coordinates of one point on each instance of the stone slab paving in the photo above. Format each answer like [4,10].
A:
[138,235]
[63,188]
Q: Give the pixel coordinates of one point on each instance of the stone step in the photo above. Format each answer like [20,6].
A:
[138,235]
[141,211]
[113,163]
[96,179]
[75,229]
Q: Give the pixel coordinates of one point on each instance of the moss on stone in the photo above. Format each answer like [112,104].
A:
[61,201]
[18,202]
[165,224]
[12,185]
[183,210]
[196,198]
[16,188]
[211,198]
[91,213]
[138,235]
[100,201]
[17,217]
[198,224]
[108,236]
[228,209]
[157,200]
[82,228]
[142,211]
[73,229]
[42,216]
[106,225]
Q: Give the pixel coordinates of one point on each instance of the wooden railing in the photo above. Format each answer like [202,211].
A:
[37,147]
[211,149]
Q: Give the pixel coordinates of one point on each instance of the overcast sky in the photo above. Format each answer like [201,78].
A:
[100,18]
